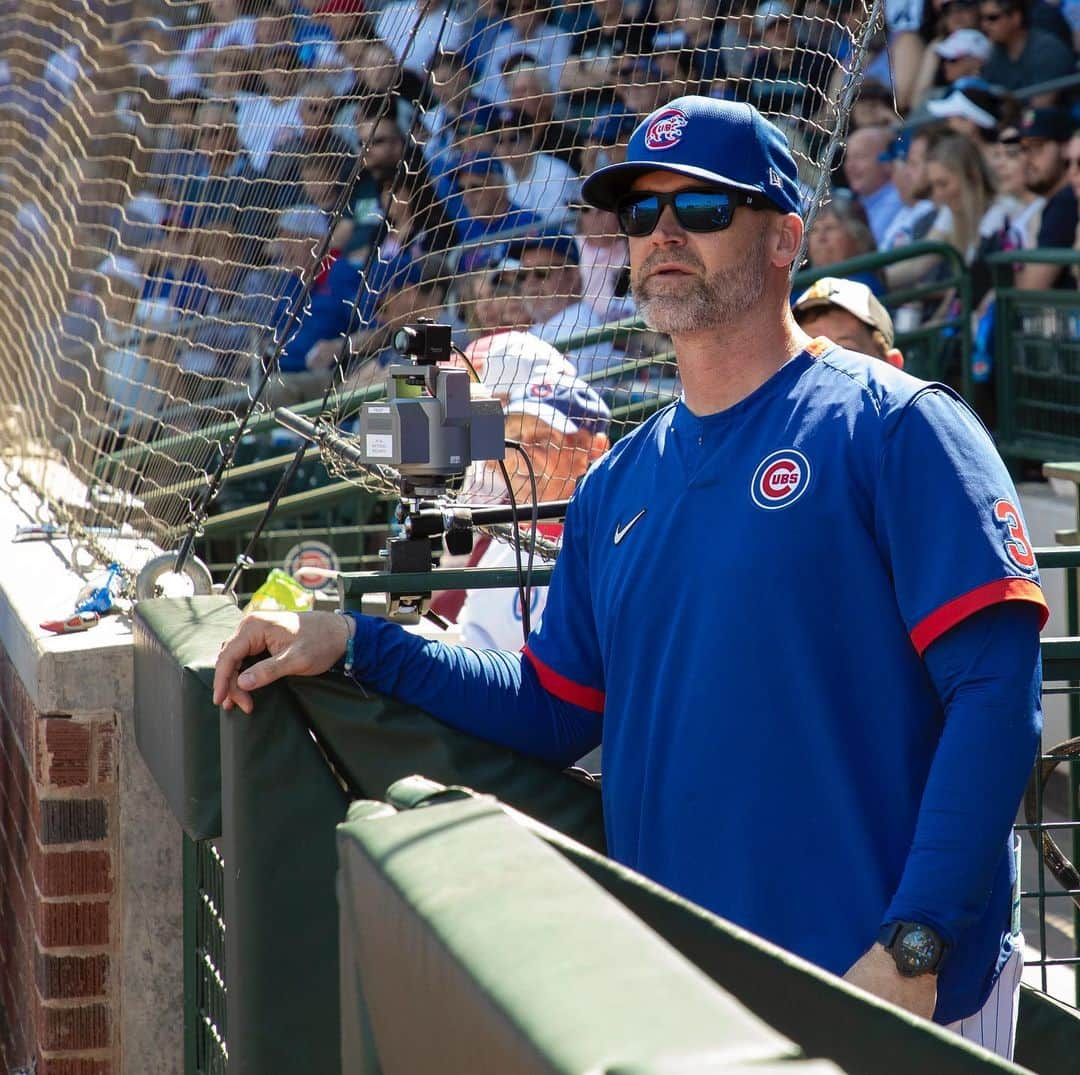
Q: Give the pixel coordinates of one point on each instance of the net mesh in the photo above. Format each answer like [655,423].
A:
[210,209]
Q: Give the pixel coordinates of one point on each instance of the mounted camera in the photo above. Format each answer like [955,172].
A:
[429,428]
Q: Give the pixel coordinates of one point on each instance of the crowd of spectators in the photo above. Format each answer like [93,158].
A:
[328,170]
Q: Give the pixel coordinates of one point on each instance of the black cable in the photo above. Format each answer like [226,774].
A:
[468,361]
[534,523]
[526,626]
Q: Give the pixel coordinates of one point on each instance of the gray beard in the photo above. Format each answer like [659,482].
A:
[714,301]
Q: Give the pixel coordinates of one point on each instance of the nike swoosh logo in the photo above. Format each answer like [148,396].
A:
[622,531]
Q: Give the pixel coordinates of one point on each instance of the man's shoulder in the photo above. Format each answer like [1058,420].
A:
[1043,45]
[854,380]
[891,400]
[1057,227]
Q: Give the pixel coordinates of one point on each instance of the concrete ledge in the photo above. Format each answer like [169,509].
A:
[86,677]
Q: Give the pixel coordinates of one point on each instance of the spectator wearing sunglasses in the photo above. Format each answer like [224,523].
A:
[490,298]
[529,94]
[1023,55]
[807,485]
[536,181]
[960,55]
[483,209]
[552,285]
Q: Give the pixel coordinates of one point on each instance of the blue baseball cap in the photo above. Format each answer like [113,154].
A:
[728,143]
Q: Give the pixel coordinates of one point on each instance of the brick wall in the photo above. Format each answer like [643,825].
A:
[58,921]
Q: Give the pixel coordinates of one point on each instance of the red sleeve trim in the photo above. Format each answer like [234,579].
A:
[566,689]
[959,608]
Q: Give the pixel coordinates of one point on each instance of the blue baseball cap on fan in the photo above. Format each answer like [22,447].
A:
[728,143]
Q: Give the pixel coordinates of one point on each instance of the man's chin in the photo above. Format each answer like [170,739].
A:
[671,317]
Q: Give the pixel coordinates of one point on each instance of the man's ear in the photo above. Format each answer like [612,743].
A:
[592,444]
[787,238]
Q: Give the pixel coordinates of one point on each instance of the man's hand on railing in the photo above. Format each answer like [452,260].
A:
[299,644]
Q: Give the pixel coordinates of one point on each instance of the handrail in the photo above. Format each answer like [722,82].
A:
[880,258]
[805,277]
[137,454]
[1052,85]
[1044,255]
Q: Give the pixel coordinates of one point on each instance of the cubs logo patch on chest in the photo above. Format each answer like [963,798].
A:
[780,479]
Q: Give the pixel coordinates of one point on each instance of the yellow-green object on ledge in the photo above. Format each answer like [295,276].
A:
[281,593]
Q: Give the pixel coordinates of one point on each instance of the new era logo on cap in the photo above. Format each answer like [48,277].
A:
[666,130]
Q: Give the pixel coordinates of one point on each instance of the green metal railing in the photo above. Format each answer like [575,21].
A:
[938,351]
[1037,366]
[205,1048]
[941,349]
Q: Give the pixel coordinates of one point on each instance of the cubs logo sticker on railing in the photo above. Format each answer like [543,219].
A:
[313,564]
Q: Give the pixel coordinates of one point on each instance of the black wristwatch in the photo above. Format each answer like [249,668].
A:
[917,948]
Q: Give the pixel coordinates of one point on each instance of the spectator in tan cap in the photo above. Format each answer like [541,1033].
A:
[848,314]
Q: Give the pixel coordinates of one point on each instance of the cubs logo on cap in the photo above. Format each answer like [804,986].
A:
[780,479]
[665,130]
[732,145]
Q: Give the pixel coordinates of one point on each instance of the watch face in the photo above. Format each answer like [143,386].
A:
[918,948]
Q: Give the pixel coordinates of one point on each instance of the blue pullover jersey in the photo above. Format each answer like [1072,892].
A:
[747,599]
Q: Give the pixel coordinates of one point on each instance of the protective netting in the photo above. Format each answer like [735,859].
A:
[193,195]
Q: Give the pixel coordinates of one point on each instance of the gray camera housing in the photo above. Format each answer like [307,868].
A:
[430,438]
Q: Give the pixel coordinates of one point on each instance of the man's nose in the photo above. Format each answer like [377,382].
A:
[668,229]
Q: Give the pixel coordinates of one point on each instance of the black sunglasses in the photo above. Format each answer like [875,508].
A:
[695,210]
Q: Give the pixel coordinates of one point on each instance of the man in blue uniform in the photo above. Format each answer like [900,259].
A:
[841,674]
